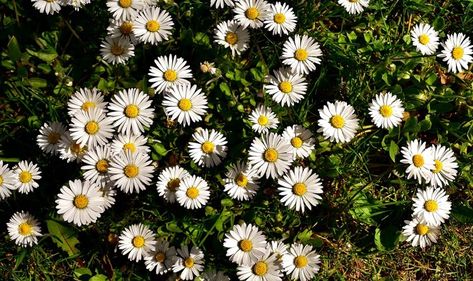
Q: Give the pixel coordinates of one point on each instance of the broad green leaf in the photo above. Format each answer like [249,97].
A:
[78,272]
[173,227]
[36,82]
[463,214]
[98,277]
[393,150]
[14,51]
[46,55]
[159,149]
[64,236]
[225,89]
[386,238]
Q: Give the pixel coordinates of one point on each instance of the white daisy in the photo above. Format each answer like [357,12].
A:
[279,249]
[162,258]
[338,121]
[169,71]
[263,119]
[169,180]
[207,148]
[80,203]
[285,87]
[457,52]
[49,135]
[354,6]
[132,172]
[213,275]
[301,262]
[419,233]
[301,53]
[241,181]
[301,140]
[136,241]
[131,111]
[122,29]
[420,160]
[193,192]
[7,181]
[70,149]
[221,3]
[281,19]
[116,50]
[185,104]
[425,38]
[270,155]
[24,229]
[96,163]
[76,4]
[431,205]
[124,9]
[445,166]
[251,13]
[84,100]
[108,194]
[132,143]
[232,35]
[26,176]
[208,67]
[152,25]
[245,244]
[91,128]
[189,263]
[386,110]
[48,7]
[264,268]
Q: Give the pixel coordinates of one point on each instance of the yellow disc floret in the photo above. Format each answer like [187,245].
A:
[132,111]
[173,184]
[126,27]
[138,241]
[263,120]
[25,177]
[129,147]
[457,53]
[25,229]
[337,121]
[160,257]
[285,87]
[299,189]
[87,105]
[271,155]
[438,166]
[241,180]
[260,268]
[245,245]
[131,170]
[81,201]
[192,192]
[418,160]
[53,137]
[189,262]
[252,13]
[279,18]
[152,26]
[296,142]
[185,104]
[125,3]
[231,38]
[301,54]
[102,166]
[386,111]
[431,206]
[424,39]
[91,127]
[422,229]
[170,75]
[301,261]
[207,147]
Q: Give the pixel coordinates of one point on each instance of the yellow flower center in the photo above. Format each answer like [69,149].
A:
[132,111]
[138,241]
[431,206]
[131,170]
[424,39]
[81,201]
[299,189]
[263,120]
[92,127]
[152,26]
[76,148]
[1,180]
[438,166]
[189,262]
[418,160]
[185,104]
[301,54]
[25,229]
[192,192]
[279,18]
[53,137]
[170,75]
[386,111]
[296,142]
[457,53]
[231,38]
[126,27]
[252,13]
[173,184]
[102,166]
[301,261]
[25,177]
[87,105]
[271,155]
[337,121]
[285,87]
[117,50]
[208,147]
[260,268]
[160,257]
[129,147]
[245,245]
[124,3]
[353,1]
[422,229]
[241,180]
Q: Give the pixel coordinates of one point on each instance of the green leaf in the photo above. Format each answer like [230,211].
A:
[431,79]
[46,55]
[225,89]
[173,227]
[78,272]
[36,82]
[304,236]
[64,236]
[20,257]
[226,202]
[159,149]
[225,216]
[386,238]
[364,208]
[393,150]
[14,51]
[463,214]
[98,277]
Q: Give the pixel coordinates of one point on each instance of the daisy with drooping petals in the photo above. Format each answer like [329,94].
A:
[129,142]
[420,160]
[232,35]
[136,241]
[245,244]
[91,128]
[193,192]
[48,7]
[208,147]
[251,13]
[457,52]
[301,140]
[122,29]
[152,25]
[279,249]
[81,202]
[221,3]
[116,50]
[131,172]
[26,176]
[338,121]
[169,71]
[301,53]
[264,268]
[432,206]
[386,110]
[241,182]
[425,38]
[96,163]
[49,135]
[24,229]
[169,180]
[301,262]
[354,6]
[70,149]
[285,87]
[281,19]
[189,263]
[445,166]
[263,119]
[84,100]
[7,181]
[108,194]
[419,233]
[162,258]
[185,104]
[131,111]
[270,155]
[124,9]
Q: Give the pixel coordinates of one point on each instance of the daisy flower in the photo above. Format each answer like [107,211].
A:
[241,182]
[207,147]
[251,13]
[232,35]
[185,103]
[420,233]
[124,9]
[263,119]
[281,19]
[80,203]
[420,160]
[432,206]
[84,100]
[264,268]
[129,142]
[49,135]
[7,181]
[354,6]
[213,275]
[270,155]
[91,128]
[116,50]
[386,110]
[152,25]
[76,4]
[301,53]
[121,29]
[70,149]
[285,87]
[445,166]
[301,263]
[189,263]
[131,172]
[193,192]
[169,180]
[208,67]
[48,7]
[245,244]
[26,176]
[279,249]
[457,52]
[136,241]
[108,194]
[301,140]
[221,3]
[169,71]
[338,121]
[96,163]
[131,111]
[162,258]
[24,229]
[425,38]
